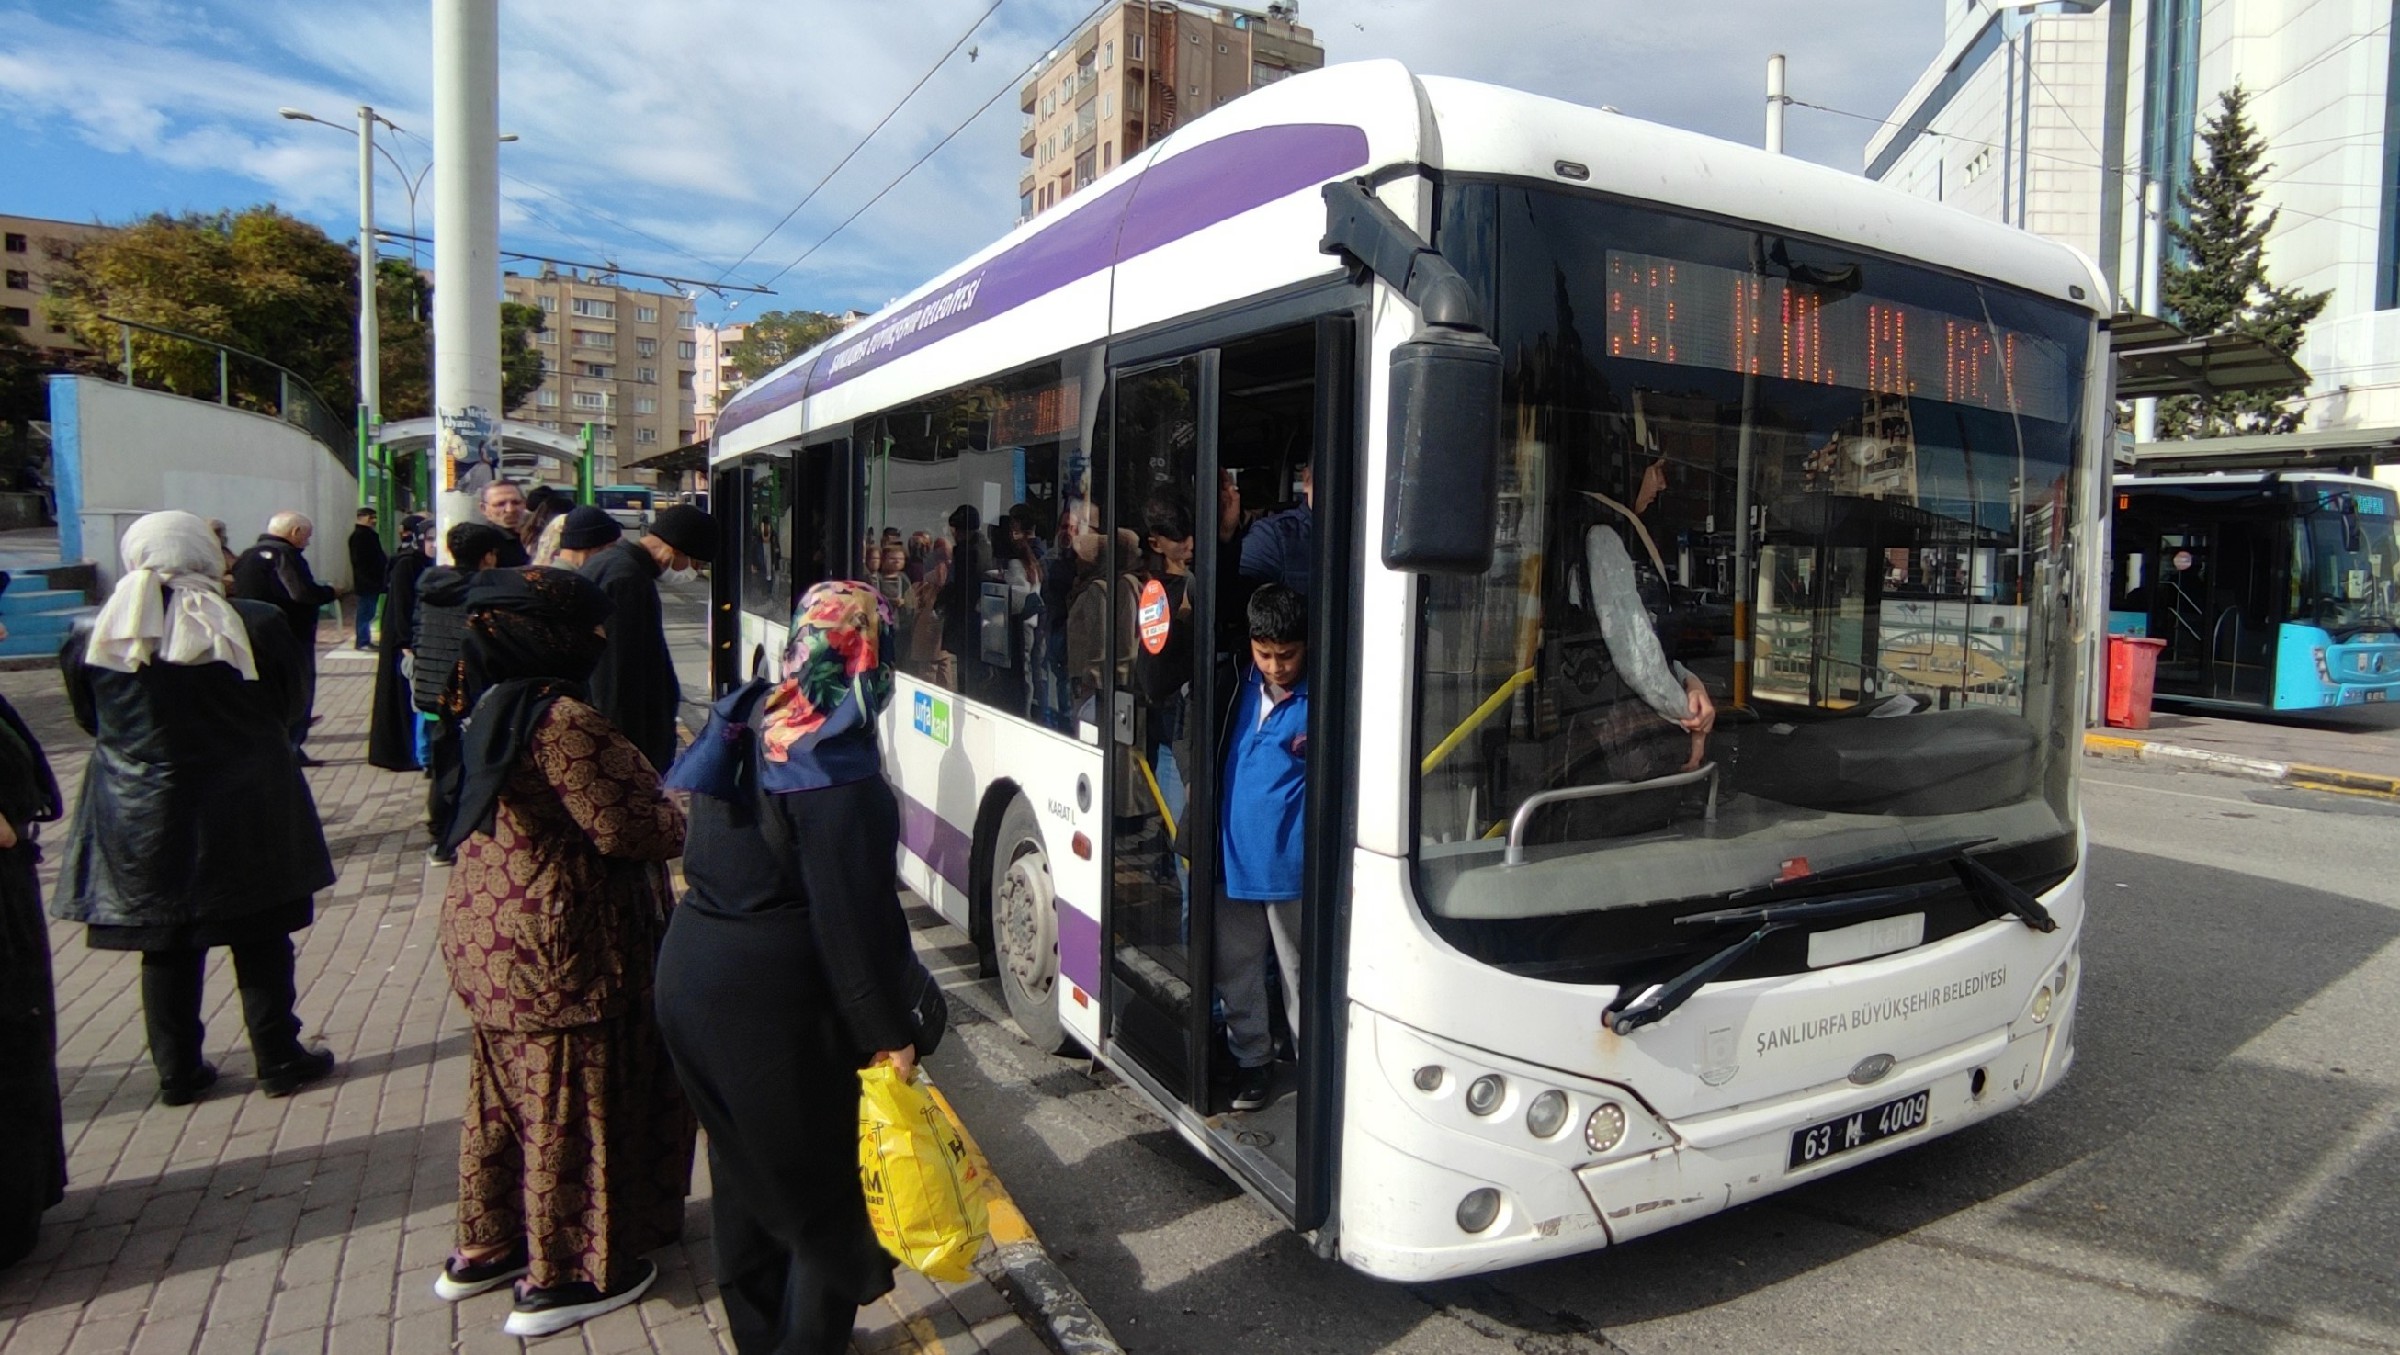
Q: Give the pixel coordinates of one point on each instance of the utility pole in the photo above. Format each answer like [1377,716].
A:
[1776,99]
[370,340]
[466,254]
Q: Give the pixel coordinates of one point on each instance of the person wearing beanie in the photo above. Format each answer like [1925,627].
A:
[635,685]
[587,529]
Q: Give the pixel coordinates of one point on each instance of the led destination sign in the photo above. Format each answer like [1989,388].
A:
[1689,314]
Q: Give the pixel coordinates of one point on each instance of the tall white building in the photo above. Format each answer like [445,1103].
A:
[2065,116]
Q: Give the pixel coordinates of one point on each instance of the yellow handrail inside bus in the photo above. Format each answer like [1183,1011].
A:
[1490,707]
[1157,796]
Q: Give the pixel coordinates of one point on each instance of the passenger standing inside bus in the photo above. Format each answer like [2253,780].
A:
[1263,806]
[787,969]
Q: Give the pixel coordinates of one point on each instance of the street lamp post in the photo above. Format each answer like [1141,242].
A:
[375,488]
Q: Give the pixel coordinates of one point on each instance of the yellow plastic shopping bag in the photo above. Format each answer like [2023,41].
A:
[924,1189]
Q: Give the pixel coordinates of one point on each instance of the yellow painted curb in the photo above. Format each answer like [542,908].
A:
[1006,1221]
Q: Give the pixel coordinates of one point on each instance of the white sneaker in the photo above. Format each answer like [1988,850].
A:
[543,1311]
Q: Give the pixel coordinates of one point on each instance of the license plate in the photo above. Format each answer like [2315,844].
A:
[1857,1129]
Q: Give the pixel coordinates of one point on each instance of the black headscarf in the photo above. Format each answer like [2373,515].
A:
[532,637]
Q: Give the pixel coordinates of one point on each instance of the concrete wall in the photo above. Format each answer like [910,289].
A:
[119,453]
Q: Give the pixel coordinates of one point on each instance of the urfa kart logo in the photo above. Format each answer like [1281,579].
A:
[1720,1056]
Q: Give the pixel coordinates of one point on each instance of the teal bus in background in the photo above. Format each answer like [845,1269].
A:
[631,505]
[2272,590]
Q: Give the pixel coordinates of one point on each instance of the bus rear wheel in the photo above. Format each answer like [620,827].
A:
[1025,928]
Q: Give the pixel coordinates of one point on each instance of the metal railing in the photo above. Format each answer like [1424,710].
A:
[276,390]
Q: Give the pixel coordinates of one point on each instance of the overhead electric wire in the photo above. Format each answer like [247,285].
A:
[852,153]
[1014,83]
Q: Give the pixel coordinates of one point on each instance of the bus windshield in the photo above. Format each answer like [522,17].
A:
[2346,566]
[621,498]
[1899,444]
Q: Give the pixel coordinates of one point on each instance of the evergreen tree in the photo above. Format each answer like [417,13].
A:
[2220,284]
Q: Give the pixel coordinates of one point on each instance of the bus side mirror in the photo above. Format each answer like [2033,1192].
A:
[1440,503]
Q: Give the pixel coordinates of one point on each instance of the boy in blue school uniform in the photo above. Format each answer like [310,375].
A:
[1264,799]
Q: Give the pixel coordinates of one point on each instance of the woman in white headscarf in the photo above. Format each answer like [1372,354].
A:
[194,827]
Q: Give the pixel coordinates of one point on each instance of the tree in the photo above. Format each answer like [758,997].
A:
[2220,285]
[520,362]
[259,280]
[776,337]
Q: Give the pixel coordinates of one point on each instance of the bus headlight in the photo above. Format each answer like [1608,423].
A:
[2042,998]
[1547,1115]
[1605,1129]
[1479,1210]
[1483,1095]
[1429,1078]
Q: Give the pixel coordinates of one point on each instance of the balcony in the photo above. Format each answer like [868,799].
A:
[1025,140]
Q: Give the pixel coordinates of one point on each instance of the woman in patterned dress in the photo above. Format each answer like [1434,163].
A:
[575,1149]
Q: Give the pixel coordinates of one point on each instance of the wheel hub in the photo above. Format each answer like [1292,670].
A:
[1025,921]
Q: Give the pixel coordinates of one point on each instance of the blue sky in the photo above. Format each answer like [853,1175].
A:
[669,135]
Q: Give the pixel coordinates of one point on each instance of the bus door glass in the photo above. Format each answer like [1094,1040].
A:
[1158,913]
[823,510]
[2179,611]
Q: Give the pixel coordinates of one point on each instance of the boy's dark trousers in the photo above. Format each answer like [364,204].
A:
[1249,934]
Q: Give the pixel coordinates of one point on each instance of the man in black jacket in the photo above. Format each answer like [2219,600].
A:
[275,570]
[635,685]
[440,632]
[368,568]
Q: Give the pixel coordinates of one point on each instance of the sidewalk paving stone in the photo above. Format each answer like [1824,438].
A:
[315,1223]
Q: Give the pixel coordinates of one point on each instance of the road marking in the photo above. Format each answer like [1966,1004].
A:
[2193,795]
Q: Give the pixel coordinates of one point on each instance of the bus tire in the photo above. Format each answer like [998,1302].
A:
[1025,928]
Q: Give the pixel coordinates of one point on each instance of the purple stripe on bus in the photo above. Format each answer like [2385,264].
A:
[941,845]
[1210,183]
[1079,947]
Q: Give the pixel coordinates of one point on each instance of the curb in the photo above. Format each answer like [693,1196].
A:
[2297,774]
[1057,1306]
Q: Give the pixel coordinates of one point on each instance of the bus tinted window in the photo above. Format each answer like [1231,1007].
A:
[974,500]
[766,516]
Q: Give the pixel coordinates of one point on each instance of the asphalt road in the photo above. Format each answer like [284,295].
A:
[2220,1173]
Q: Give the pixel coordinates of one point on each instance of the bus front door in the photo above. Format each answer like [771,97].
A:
[1209,495]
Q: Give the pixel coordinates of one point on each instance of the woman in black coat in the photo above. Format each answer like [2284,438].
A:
[392,732]
[786,969]
[194,828]
[33,1144]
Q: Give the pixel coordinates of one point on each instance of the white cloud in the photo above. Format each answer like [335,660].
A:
[655,133]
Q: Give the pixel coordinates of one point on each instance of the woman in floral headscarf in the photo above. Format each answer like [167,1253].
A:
[787,969]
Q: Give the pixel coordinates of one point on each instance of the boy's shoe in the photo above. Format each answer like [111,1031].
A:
[282,1079]
[185,1090]
[539,1312]
[461,1279]
[1253,1088]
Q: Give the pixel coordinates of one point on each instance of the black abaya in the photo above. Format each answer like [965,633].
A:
[783,971]
[33,1145]
[392,736]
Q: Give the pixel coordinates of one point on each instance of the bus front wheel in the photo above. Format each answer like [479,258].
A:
[1025,928]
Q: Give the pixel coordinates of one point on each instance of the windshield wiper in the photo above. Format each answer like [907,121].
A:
[1630,1013]
[1993,893]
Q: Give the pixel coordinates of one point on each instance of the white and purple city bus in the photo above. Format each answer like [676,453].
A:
[1536,403]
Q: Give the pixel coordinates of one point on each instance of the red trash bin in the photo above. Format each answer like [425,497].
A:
[2132,675]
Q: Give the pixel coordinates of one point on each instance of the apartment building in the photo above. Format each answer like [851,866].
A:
[2080,120]
[714,380]
[624,362]
[1137,72]
[28,250]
